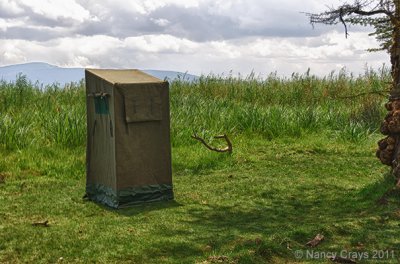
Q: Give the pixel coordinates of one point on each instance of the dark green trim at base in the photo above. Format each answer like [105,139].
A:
[129,196]
[102,194]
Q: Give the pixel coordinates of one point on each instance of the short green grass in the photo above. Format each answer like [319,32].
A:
[303,164]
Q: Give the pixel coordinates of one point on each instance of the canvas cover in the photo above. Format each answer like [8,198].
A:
[128,138]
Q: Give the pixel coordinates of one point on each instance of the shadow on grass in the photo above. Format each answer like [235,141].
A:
[141,208]
[344,216]
[309,205]
[381,190]
[273,223]
[175,250]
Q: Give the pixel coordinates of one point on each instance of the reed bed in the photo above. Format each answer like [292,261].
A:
[345,106]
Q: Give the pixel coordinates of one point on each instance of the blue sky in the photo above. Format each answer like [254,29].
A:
[198,36]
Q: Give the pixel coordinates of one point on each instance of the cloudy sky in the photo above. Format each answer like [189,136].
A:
[198,36]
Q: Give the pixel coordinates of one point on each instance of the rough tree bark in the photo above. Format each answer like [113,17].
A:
[389,147]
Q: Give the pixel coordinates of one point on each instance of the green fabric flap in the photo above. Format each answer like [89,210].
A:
[102,194]
[101,105]
[129,196]
[147,193]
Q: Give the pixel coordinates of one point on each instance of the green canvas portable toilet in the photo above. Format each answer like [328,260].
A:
[128,156]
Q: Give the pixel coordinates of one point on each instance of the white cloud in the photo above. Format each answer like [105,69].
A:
[135,6]
[7,23]
[11,54]
[152,5]
[11,6]
[199,36]
[160,44]
[55,9]
[224,49]
[262,55]
[161,22]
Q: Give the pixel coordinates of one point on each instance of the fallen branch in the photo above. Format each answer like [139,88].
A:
[44,224]
[226,149]
[338,259]
[316,241]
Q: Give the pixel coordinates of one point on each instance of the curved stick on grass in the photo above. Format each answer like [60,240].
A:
[44,224]
[224,136]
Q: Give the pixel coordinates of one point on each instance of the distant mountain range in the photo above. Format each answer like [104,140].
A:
[47,74]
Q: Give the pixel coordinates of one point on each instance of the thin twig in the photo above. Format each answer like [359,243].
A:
[226,149]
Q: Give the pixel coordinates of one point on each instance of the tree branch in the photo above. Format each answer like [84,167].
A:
[381,93]
[353,13]
[372,13]
[226,149]
[344,23]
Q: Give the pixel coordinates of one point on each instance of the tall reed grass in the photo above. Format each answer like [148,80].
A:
[344,105]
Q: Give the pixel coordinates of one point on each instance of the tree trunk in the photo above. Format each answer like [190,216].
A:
[395,53]
[389,147]
[395,93]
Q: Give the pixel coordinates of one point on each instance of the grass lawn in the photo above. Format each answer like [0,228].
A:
[303,164]
[261,204]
